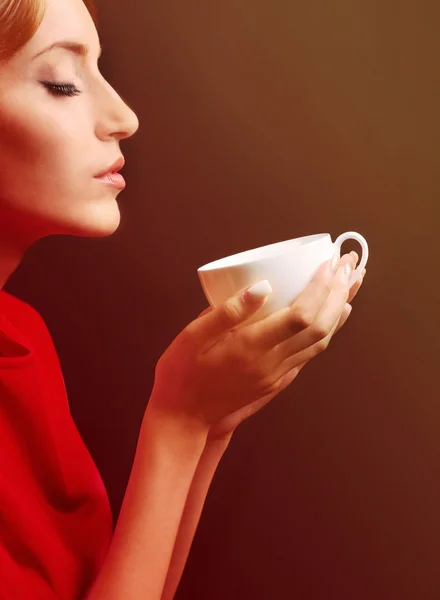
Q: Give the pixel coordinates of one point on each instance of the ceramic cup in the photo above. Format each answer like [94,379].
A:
[288,266]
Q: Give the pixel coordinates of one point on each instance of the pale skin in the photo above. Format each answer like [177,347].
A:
[51,146]
[212,377]
[254,363]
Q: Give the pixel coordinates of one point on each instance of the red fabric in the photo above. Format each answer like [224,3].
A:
[55,519]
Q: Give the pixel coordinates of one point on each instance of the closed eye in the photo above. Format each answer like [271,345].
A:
[61,89]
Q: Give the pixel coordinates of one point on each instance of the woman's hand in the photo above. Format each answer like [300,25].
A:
[223,430]
[215,376]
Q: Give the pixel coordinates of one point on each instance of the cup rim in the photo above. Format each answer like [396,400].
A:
[215,264]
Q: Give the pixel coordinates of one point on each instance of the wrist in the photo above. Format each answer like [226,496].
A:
[177,430]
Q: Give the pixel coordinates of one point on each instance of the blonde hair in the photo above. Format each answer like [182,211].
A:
[20,19]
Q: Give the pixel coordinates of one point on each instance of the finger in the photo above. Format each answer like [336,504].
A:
[292,366]
[205,312]
[285,380]
[355,255]
[211,324]
[302,358]
[287,322]
[356,287]
[300,366]
[325,322]
[345,314]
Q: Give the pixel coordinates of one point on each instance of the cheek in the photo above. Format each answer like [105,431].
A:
[33,154]
[26,138]
[18,141]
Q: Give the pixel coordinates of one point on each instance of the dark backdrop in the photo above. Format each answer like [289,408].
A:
[263,121]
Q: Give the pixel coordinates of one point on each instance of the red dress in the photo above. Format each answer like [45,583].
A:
[55,518]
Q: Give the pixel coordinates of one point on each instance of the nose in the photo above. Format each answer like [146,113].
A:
[115,119]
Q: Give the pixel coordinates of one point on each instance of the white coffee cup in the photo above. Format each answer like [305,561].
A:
[288,266]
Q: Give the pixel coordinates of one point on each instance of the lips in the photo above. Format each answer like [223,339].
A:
[114,179]
[114,168]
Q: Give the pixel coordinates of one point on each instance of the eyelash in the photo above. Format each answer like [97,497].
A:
[61,89]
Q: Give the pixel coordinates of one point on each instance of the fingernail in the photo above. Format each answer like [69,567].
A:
[343,273]
[334,263]
[257,291]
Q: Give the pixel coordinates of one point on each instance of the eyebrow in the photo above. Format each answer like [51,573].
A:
[74,47]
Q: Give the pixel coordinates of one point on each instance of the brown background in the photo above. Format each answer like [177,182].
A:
[263,121]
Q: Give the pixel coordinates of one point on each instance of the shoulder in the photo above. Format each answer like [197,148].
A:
[25,318]
[13,307]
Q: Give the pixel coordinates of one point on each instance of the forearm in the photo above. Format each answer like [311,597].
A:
[166,459]
[201,482]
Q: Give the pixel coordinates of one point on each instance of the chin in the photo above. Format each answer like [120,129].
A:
[96,221]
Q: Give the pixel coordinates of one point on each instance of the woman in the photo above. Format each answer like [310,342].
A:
[60,128]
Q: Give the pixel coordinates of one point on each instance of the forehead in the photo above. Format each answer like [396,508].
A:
[63,19]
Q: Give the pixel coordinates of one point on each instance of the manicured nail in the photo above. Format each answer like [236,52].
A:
[343,273]
[257,291]
[334,263]
[355,255]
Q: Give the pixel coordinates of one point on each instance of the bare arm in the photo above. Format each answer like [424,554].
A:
[167,455]
[206,468]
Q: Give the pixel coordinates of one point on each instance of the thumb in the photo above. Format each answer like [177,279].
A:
[235,310]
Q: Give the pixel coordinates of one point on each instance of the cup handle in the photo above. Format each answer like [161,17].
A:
[352,235]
